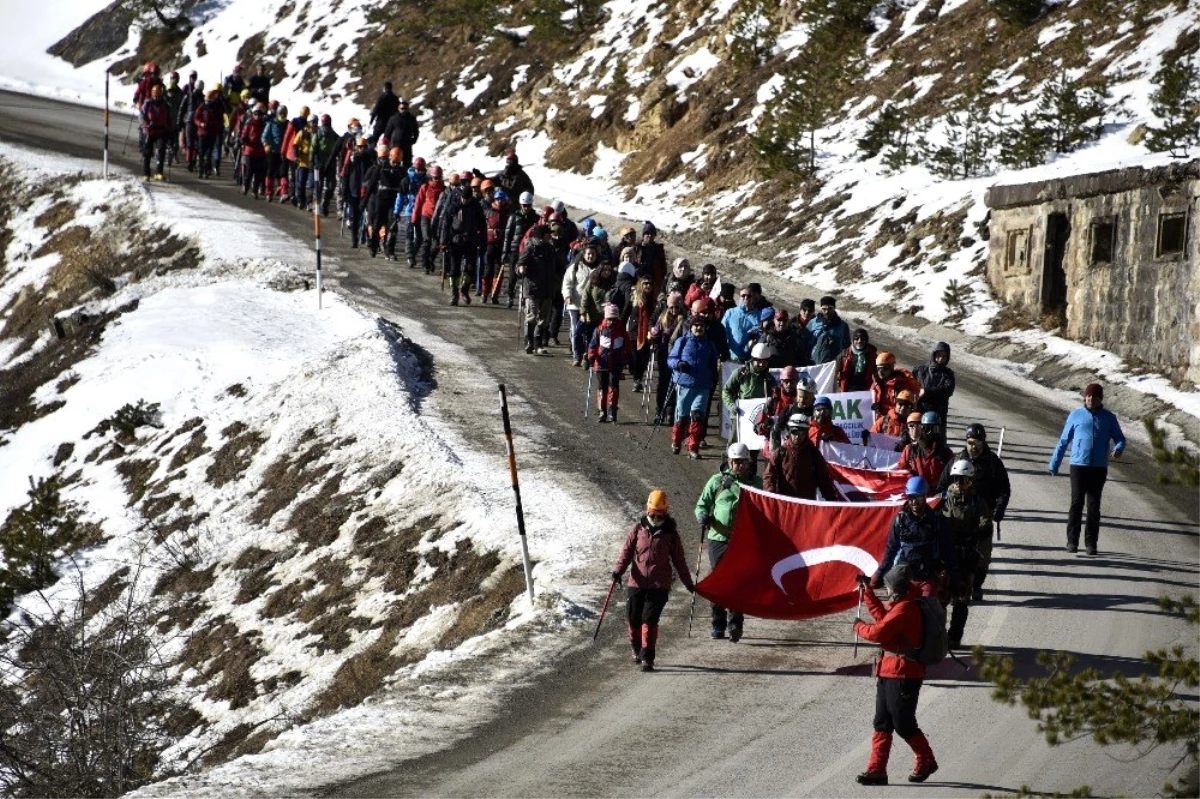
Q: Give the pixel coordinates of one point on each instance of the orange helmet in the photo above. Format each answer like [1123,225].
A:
[485,185]
[396,154]
[657,501]
[914,418]
[906,396]
[885,358]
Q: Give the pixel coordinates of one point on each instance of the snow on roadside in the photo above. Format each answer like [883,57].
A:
[197,332]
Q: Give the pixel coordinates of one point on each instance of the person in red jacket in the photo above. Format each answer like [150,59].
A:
[609,353]
[156,130]
[422,217]
[888,381]
[822,427]
[652,547]
[927,456]
[253,153]
[897,630]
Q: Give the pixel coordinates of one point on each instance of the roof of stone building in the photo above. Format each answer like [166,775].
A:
[1091,185]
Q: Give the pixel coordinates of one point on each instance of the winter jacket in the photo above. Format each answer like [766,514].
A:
[234,84]
[174,97]
[1088,433]
[828,431]
[272,136]
[427,199]
[610,348]
[718,502]
[897,630]
[188,108]
[829,338]
[693,362]
[968,518]
[663,331]
[145,88]
[626,280]
[386,106]
[652,263]
[302,148]
[402,129]
[495,216]
[695,292]
[537,266]
[519,224]
[326,146]
[513,180]
[856,368]
[596,295]
[797,469]
[889,423]
[289,138]
[991,480]
[775,412]
[937,385]
[925,461]
[464,224]
[156,118]
[652,551]
[354,178]
[884,391]
[575,283]
[407,197]
[923,542]
[739,323]
[252,138]
[745,383]
[209,118]
[260,88]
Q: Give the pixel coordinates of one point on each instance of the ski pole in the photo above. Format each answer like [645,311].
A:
[699,563]
[128,131]
[587,398]
[997,531]
[858,614]
[604,609]
[658,419]
[1000,446]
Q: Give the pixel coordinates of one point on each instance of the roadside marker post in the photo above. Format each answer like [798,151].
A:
[516,487]
[106,121]
[317,230]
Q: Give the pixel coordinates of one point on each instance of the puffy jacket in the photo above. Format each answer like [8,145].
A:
[596,295]
[798,469]
[209,118]
[991,480]
[326,146]
[514,180]
[386,106]
[406,199]
[610,347]
[188,108]
[968,518]
[402,129]
[251,138]
[889,423]
[427,199]
[745,383]
[937,384]
[884,391]
[897,630]
[354,179]
[519,223]
[828,431]
[925,461]
[174,97]
[1088,434]
[923,542]
[289,137]
[739,323]
[145,85]
[302,149]
[464,224]
[495,217]
[853,373]
[272,136]
[575,283]
[537,265]
[156,118]
[719,501]
[693,362]
[829,338]
[652,551]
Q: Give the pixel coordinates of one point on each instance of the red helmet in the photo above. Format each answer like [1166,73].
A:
[326,119]
[465,175]
[419,163]
[237,68]
[435,172]
[150,68]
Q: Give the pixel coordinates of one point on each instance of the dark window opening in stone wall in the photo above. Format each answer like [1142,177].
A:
[1017,256]
[1172,235]
[1104,240]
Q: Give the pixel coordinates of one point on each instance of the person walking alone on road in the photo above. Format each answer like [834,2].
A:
[1088,431]
[897,629]
[652,547]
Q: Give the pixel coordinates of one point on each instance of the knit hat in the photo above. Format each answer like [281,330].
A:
[1094,390]
[611,311]
[648,229]
[830,301]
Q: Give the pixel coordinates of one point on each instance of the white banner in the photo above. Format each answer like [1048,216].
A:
[824,375]
[749,410]
[852,412]
[883,440]
[857,457]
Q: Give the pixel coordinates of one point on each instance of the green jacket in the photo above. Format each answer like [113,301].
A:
[745,384]
[719,500]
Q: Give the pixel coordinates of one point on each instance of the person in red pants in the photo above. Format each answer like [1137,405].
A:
[897,630]
[650,550]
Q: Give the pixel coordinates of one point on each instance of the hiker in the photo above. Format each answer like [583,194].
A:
[919,539]
[1088,431]
[608,353]
[897,630]
[652,547]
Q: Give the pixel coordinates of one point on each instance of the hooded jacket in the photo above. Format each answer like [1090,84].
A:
[937,382]
[652,551]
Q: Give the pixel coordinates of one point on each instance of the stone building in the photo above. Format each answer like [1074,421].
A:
[1112,256]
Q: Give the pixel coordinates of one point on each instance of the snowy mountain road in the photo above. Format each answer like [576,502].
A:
[786,712]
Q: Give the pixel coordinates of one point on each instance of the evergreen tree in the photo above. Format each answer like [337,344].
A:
[1017,12]
[1066,112]
[755,30]
[1176,101]
[1153,709]
[883,130]
[969,146]
[1025,145]
[33,537]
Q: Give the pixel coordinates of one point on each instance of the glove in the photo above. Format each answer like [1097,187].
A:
[616,577]
[863,580]
[705,519]
[726,482]
[684,367]
[875,407]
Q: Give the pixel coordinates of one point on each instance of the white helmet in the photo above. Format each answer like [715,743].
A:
[962,468]
[526,198]
[807,384]
[738,452]
[798,420]
[560,207]
[761,352]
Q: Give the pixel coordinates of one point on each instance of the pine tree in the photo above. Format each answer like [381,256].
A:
[1176,101]
[1066,112]
[883,130]
[754,30]
[1025,145]
[969,146]
[32,539]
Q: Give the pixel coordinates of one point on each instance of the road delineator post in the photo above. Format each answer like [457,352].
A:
[516,487]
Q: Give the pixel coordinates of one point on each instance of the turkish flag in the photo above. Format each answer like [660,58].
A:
[868,485]
[797,558]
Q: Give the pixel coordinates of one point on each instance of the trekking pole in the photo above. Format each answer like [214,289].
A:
[604,609]
[699,563]
[1000,446]
[516,487]
[128,131]
[658,419]
[587,398]
[647,380]
[858,614]
[997,531]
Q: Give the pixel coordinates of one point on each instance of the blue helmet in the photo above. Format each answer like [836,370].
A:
[589,225]
[766,314]
[823,401]
[501,195]
[929,417]
[916,487]
[600,233]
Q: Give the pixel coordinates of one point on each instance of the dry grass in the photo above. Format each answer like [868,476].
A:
[235,455]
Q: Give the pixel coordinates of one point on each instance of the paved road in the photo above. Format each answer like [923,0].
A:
[787,711]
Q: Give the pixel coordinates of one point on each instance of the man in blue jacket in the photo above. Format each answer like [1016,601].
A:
[1088,431]
[831,334]
[739,323]
[693,362]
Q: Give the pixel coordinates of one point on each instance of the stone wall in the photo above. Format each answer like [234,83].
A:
[1124,293]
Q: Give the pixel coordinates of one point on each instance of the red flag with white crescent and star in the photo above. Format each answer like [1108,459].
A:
[796,558]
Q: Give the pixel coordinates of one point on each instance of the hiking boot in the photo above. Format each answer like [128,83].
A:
[1091,549]
[577,362]
[612,414]
[717,632]
[554,339]
[454,299]
[466,298]
[637,387]
[977,595]
[693,455]
[543,350]
[648,665]
[603,418]
[529,349]
[923,773]
[510,302]
[735,633]
[872,778]
[675,449]
[1072,547]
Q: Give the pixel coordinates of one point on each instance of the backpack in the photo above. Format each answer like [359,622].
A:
[935,643]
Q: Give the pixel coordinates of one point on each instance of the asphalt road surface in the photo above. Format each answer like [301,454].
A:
[786,712]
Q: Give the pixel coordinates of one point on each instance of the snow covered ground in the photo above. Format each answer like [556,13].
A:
[247,322]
